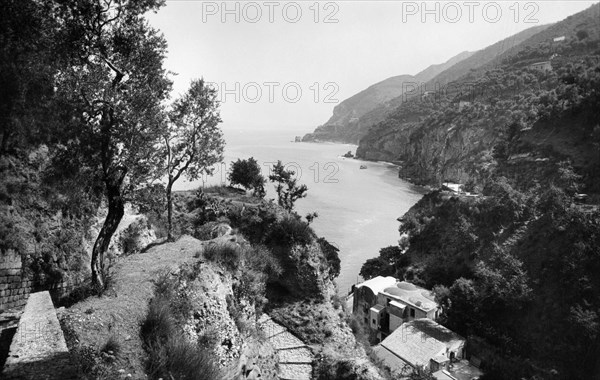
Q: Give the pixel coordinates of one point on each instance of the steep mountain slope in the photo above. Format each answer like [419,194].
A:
[484,57]
[343,126]
[452,134]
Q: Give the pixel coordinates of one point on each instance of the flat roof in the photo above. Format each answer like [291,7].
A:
[377,307]
[398,304]
[412,295]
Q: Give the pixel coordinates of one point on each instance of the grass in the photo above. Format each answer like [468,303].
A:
[225,254]
[91,362]
[171,355]
[112,345]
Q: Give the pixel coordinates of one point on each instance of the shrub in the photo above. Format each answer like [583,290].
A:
[170,354]
[289,231]
[159,323]
[226,254]
[331,254]
[184,360]
[112,345]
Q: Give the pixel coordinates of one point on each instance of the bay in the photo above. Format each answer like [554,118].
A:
[357,207]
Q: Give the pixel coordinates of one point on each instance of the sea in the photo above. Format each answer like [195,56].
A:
[357,207]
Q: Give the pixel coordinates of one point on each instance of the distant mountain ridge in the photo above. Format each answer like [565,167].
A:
[343,125]
[496,93]
[484,57]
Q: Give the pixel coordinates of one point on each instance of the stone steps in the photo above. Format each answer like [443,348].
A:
[295,371]
[295,358]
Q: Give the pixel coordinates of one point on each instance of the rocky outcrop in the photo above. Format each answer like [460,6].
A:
[307,272]
[430,155]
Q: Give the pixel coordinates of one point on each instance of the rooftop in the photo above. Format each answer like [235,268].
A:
[416,342]
[377,308]
[413,295]
[377,284]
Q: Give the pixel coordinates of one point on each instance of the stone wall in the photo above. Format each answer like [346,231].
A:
[14,286]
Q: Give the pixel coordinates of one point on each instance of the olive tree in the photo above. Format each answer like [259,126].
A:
[193,142]
[113,92]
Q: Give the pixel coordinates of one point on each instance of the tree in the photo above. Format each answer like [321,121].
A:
[112,94]
[390,262]
[416,373]
[247,174]
[29,63]
[288,191]
[193,141]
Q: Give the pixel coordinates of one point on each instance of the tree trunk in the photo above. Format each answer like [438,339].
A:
[116,210]
[170,211]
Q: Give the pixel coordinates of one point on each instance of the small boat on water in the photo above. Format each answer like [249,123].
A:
[363,166]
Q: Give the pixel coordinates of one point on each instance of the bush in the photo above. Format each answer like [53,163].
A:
[331,254]
[159,323]
[112,345]
[178,358]
[226,254]
[289,231]
[170,354]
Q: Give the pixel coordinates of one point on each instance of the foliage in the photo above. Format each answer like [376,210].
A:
[286,186]
[247,173]
[111,94]
[226,254]
[331,255]
[29,62]
[390,262]
[170,352]
[288,231]
[193,143]
[530,276]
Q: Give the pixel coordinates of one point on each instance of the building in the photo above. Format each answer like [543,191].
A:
[425,343]
[384,304]
[542,66]
[451,186]
[559,39]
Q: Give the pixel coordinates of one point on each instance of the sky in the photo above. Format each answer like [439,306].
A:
[285,65]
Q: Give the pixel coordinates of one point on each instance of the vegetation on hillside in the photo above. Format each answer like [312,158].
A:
[515,265]
[86,129]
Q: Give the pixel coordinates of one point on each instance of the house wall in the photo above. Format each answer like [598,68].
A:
[373,319]
[458,349]
[395,322]
[364,299]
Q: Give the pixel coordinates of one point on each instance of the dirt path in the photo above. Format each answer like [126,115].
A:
[123,308]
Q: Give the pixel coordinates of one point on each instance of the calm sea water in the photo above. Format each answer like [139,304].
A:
[357,207]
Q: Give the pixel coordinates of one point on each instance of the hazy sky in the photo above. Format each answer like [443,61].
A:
[263,53]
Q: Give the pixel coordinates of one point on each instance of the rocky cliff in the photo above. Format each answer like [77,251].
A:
[494,93]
